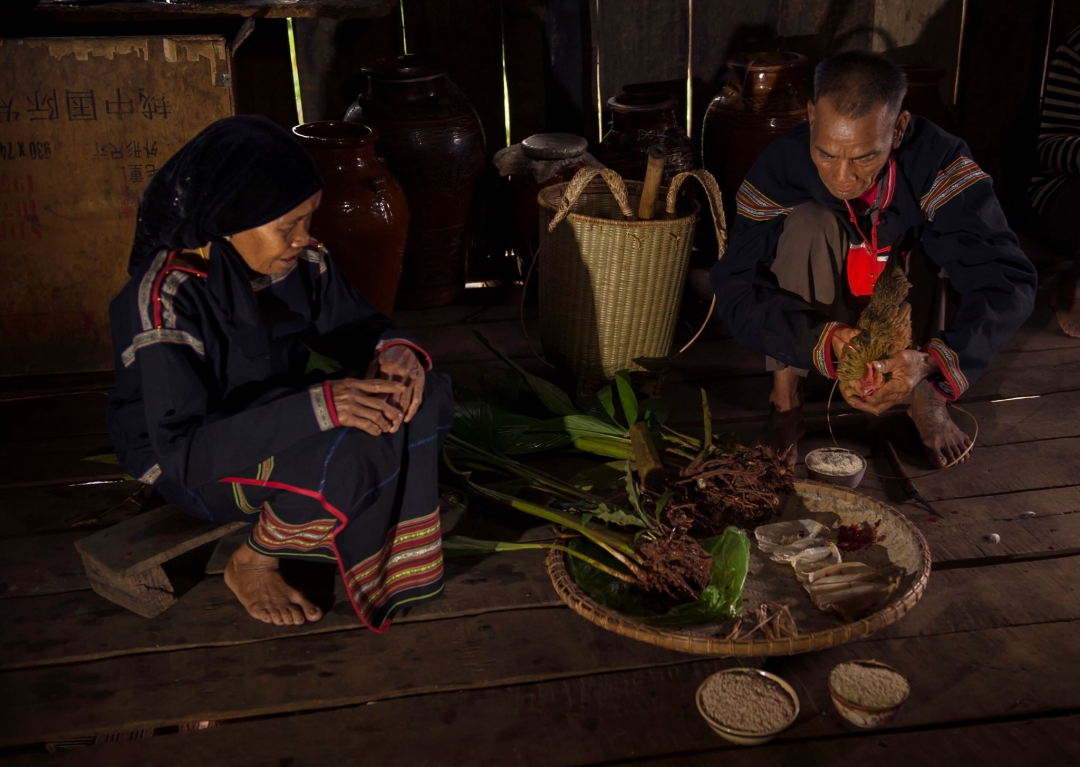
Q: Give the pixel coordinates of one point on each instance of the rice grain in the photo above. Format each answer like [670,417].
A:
[748,702]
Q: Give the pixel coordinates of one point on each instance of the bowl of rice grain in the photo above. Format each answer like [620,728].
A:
[867,693]
[836,466]
[747,706]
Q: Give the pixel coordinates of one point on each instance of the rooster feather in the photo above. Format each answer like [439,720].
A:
[885,330]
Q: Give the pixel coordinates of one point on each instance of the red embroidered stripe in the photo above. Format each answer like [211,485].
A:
[273,534]
[954,382]
[752,204]
[330,406]
[823,353]
[958,176]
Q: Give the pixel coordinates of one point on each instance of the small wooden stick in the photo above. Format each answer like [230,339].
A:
[654,174]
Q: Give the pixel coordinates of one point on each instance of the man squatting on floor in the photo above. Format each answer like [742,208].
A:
[818,215]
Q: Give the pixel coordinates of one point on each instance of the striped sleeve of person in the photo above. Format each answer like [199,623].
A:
[1059,128]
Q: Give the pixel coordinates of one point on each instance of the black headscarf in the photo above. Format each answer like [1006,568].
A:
[239,173]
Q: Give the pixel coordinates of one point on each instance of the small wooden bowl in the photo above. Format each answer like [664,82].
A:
[866,716]
[843,480]
[742,737]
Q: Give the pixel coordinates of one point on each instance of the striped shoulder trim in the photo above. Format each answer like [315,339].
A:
[958,176]
[266,280]
[150,476]
[161,336]
[755,206]
[316,253]
[952,382]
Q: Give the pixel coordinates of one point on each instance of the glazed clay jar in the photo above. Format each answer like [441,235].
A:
[765,98]
[639,120]
[433,143]
[363,218]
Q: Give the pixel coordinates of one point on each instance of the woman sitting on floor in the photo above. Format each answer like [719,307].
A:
[214,404]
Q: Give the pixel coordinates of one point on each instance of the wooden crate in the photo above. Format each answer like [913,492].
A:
[84,124]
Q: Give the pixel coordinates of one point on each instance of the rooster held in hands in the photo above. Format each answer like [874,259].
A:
[884,330]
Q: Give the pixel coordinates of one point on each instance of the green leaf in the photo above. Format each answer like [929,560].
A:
[658,408]
[617,517]
[605,396]
[627,398]
[554,398]
[321,363]
[722,598]
[109,458]
[474,422]
[580,426]
[599,478]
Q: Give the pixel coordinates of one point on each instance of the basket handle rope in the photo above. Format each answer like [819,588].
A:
[581,180]
[712,192]
[617,187]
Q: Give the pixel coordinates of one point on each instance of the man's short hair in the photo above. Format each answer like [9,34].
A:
[858,81]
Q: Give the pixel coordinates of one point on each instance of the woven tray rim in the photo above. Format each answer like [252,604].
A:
[605,617]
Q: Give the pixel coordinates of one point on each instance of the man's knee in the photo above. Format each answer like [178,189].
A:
[810,254]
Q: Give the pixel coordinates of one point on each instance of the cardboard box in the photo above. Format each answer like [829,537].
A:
[84,124]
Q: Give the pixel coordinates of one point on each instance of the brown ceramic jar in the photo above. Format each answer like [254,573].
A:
[638,121]
[363,218]
[765,98]
[924,96]
[433,143]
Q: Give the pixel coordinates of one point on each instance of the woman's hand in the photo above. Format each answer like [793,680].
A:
[369,404]
[400,364]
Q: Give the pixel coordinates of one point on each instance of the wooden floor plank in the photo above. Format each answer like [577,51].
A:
[1050,741]
[61,415]
[608,717]
[497,648]
[55,461]
[80,626]
[52,508]
[1007,469]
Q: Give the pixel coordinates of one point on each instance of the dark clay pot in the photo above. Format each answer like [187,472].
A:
[433,143]
[765,98]
[639,120]
[363,218]
[924,96]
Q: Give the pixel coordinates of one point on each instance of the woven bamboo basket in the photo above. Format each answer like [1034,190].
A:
[903,546]
[610,284]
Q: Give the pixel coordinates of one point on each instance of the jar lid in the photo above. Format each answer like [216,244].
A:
[553,146]
[641,101]
[405,68]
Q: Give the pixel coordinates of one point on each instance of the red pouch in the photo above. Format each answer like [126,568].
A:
[863,269]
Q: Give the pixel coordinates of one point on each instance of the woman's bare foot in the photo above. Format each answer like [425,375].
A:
[258,584]
[943,440]
[1066,305]
[786,425]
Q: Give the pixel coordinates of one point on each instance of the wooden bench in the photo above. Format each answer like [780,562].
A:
[124,562]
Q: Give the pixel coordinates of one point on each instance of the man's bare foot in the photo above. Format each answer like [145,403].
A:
[943,440]
[786,425]
[1066,305]
[258,584]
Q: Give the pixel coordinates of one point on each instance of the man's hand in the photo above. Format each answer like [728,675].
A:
[368,405]
[903,372]
[841,340]
[400,364]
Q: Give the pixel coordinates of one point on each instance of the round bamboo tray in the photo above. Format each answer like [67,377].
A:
[903,546]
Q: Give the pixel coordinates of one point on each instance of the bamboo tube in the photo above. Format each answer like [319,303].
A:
[654,174]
